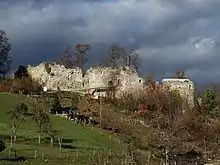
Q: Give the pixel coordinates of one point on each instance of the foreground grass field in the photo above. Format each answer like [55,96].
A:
[82,142]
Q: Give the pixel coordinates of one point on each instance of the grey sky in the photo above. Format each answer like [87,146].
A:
[168,34]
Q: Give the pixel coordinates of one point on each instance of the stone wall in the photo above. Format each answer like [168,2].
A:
[126,79]
[185,87]
[58,77]
[54,77]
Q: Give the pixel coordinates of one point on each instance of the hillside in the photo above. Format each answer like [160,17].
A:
[82,141]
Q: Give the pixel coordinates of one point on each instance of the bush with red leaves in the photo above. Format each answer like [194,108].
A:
[142,109]
[5,85]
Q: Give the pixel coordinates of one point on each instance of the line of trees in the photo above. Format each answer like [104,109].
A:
[117,56]
[76,56]
[41,118]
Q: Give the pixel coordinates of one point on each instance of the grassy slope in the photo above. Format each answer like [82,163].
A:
[84,138]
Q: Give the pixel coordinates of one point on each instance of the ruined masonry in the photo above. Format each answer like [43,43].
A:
[185,87]
[57,77]
[54,77]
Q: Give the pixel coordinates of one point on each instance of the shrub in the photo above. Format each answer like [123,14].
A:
[210,104]
[157,126]
[163,125]
[56,106]
[26,85]
[2,145]
[5,84]
[152,101]
[89,106]
[127,103]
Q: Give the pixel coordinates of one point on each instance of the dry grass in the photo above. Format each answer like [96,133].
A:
[163,125]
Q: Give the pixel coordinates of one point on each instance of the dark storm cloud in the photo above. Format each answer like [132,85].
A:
[168,34]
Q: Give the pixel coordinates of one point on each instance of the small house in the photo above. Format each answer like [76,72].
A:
[191,157]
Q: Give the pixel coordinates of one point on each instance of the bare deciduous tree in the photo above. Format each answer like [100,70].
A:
[133,60]
[118,56]
[80,52]
[180,75]
[67,58]
[73,57]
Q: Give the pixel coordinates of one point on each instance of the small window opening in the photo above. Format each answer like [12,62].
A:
[118,82]
[110,83]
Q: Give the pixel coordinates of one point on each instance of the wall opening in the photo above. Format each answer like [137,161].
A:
[118,81]
[190,86]
[110,84]
[140,81]
[83,74]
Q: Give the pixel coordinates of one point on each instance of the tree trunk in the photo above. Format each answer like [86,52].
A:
[15,138]
[60,145]
[11,144]
[39,139]
[51,141]
[14,132]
